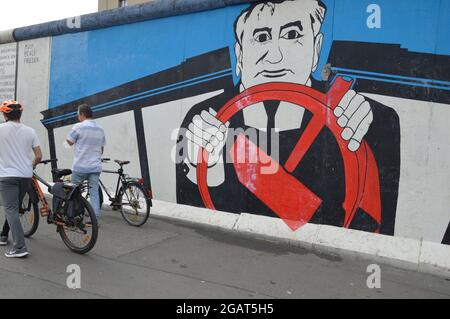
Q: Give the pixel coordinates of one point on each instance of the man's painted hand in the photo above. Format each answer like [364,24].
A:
[355,115]
[208,132]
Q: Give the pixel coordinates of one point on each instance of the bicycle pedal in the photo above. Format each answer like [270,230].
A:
[44,211]
[50,218]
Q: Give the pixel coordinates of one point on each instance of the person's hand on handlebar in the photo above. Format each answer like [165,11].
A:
[37,156]
[45,162]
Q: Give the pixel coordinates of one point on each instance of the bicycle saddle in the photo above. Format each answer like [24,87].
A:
[122,162]
[61,172]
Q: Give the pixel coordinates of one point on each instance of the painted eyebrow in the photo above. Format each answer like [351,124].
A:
[269,30]
[297,24]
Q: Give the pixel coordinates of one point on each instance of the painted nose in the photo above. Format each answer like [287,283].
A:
[274,55]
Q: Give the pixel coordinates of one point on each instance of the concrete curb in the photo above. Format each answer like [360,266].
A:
[399,252]
[407,253]
[194,214]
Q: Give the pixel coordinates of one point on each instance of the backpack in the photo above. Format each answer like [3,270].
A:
[67,199]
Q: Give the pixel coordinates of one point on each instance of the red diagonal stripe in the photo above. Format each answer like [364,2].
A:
[292,201]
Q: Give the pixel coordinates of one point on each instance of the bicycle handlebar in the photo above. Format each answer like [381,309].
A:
[45,162]
[105,160]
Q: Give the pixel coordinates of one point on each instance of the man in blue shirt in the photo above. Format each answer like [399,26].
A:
[89,141]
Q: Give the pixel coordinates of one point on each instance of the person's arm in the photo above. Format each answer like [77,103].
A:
[73,136]
[37,156]
[36,150]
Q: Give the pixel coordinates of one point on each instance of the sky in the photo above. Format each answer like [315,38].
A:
[19,13]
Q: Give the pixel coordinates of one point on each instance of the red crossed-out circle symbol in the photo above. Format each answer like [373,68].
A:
[284,194]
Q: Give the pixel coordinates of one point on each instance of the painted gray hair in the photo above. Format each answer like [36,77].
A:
[318,11]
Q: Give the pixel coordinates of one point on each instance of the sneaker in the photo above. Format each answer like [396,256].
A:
[3,240]
[16,253]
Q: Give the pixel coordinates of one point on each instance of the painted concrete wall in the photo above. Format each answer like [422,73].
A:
[7,70]
[32,86]
[111,4]
[166,74]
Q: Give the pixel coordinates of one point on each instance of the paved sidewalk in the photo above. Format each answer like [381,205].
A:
[171,259]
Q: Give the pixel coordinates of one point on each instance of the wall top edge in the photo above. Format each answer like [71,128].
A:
[152,10]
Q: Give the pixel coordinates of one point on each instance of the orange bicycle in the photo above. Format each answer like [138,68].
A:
[72,214]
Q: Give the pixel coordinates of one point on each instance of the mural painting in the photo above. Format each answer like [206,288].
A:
[287,128]
[319,175]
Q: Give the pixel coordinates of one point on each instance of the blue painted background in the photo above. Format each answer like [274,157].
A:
[90,62]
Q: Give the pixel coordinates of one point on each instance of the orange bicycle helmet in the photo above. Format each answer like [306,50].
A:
[10,105]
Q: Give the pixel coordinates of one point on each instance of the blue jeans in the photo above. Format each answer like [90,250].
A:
[92,179]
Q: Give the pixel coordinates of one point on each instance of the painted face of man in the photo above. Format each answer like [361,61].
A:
[278,44]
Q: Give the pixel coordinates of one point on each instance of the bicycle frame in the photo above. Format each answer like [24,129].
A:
[120,181]
[45,209]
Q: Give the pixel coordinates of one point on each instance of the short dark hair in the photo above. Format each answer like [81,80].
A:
[85,110]
[14,115]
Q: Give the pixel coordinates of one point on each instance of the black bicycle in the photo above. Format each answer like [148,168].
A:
[71,213]
[131,197]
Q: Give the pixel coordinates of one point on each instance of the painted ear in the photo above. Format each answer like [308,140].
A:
[317,48]
[238,53]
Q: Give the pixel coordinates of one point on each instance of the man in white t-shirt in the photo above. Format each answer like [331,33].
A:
[18,142]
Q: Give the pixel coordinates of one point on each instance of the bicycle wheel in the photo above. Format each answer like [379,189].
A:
[80,234]
[134,205]
[29,216]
